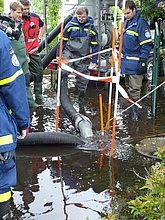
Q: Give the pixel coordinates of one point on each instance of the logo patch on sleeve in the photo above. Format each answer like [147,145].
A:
[15,61]
[147,34]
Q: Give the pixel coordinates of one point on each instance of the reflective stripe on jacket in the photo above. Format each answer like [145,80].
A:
[5,196]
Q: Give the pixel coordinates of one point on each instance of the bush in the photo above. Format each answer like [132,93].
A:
[152,204]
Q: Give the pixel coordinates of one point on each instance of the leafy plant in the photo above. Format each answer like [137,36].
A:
[110,217]
[149,9]
[151,205]
[1,5]
[52,13]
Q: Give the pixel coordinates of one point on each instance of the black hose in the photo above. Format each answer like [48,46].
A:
[81,122]
[54,33]
[49,138]
[52,54]
[66,104]
[49,57]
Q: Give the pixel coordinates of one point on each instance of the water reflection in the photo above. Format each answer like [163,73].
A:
[76,183]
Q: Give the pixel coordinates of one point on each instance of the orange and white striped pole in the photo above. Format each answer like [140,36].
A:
[112,68]
[101,114]
[117,84]
[121,35]
[59,77]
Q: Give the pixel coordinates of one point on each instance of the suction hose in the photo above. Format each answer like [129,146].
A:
[55,32]
[49,138]
[81,122]
[46,59]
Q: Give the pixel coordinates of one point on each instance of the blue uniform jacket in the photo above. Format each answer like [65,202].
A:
[137,44]
[74,29]
[14,110]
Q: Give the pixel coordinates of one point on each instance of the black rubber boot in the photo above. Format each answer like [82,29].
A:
[81,100]
[134,113]
[5,211]
[38,93]
[56,85]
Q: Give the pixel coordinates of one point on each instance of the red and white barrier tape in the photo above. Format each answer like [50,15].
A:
[87,56]
[111,79]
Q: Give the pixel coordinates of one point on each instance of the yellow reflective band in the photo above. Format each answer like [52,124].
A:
[76,28]
[7,139]
[132,58]
[11,78]
[132,32]
[65,38]
[94,33]
[86,29]
[145,41]
[94,43]
[5,196]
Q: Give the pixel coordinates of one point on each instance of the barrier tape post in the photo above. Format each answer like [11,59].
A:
[101,114]
[59,78]
[112,69]
[117,84]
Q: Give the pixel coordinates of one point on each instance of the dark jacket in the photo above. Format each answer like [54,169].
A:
[137,44]
[73,31]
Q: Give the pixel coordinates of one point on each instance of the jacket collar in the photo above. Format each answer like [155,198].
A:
[133,22]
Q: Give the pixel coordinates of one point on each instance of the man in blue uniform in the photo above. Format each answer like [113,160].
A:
[80,35]
[137,44]
[14,116]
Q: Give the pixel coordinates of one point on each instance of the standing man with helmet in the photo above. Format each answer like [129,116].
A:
[79,37]
[34,29]
[137,44]
[15,119]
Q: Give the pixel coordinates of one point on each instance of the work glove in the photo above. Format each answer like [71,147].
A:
[22,133]
[142,67]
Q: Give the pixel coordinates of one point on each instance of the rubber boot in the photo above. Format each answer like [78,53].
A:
[5,211]
[134,112]
[31,101]
[38,93]
[81,100]
[31,77]
[56,85]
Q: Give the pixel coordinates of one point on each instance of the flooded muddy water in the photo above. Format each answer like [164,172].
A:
[83,183]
